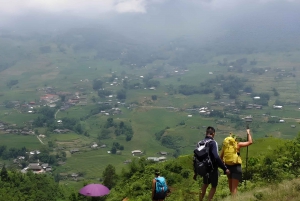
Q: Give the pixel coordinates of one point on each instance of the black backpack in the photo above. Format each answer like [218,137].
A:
[202,162]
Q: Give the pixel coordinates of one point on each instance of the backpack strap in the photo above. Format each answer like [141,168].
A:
[206,142]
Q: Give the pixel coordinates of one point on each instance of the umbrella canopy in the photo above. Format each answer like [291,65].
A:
[94,190]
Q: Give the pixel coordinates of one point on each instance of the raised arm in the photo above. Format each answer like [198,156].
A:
[249,142]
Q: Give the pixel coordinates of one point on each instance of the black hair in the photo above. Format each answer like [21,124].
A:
[210,130]
[157,173]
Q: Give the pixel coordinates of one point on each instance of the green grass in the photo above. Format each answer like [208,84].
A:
[261,147]
[93,162]
[65,137]
[19,141]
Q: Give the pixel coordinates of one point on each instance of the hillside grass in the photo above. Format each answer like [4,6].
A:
[285,191]
[18,141]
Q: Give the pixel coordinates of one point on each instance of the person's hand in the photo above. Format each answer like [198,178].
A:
[227,172]
[195,177]
[248,131]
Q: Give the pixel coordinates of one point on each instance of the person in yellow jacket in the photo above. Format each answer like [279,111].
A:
[230,155]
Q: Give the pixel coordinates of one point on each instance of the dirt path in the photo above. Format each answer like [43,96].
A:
[40,140]
[56,114]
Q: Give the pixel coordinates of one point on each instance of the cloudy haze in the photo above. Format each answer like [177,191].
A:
[156,18]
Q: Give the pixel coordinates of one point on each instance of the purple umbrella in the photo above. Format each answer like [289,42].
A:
[94,190]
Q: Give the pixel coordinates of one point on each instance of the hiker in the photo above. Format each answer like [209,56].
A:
[213,176]
[230,154]
[159,187]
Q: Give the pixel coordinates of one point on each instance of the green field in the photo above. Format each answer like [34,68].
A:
[19,141]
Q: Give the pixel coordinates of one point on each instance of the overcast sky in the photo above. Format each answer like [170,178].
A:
[154,17]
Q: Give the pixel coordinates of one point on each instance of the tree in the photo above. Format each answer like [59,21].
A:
[275,92]
[109,176]
[97,84]
[217,95]
[104,134]
[109,122]
[113,150]
[154,97]
[121,95]
[4,174]
[12,83]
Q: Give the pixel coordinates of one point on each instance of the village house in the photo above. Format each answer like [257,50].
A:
[277,106]
[72,151]
[45,165]
[162,158]
[136,152]
[155,159]
[163,153]
[248,118]
[61,131]
[34,152]
[49,98]
[35,168]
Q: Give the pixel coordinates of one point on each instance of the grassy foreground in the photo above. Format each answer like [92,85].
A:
[287,190]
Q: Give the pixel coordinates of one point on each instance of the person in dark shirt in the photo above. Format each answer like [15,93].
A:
[213,177]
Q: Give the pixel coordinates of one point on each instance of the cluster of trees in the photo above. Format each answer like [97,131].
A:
[273,120]
[119,129]
[11,153]
[172,142]
[217,113]
[230,84]
[264,98]
[46,118]
[103,93]
[169,141]
[72,124]
[124,129]
[8,104]
[15,185]
[115,147]
[121,94]
[46,157]
[11,83]
[275,92]
[97,84]
[96,110]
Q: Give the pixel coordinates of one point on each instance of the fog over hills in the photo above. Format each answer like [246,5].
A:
[157,21]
